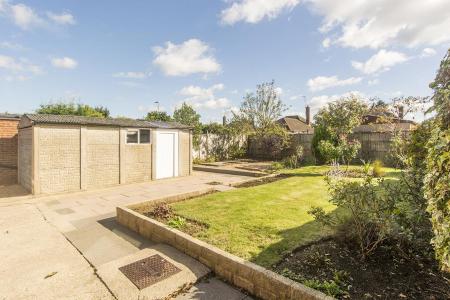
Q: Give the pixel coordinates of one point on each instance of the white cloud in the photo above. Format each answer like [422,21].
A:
[204,97]
[254,11]
[320,83]
[64,63]
[62,19]
[24,16]
[27,18]
[383,23]
[190,57]
[318,102]
[131,75]
[18,69]
[326,43]
[427,52]
[380,62]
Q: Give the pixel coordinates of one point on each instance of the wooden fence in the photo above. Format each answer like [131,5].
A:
[374,145]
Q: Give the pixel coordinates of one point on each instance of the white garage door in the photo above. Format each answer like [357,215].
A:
[166,154]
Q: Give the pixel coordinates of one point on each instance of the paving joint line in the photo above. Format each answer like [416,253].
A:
[78,250]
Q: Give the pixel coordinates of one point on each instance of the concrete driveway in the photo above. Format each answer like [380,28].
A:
[70,246]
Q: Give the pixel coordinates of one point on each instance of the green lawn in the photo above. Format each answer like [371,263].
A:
[264,222]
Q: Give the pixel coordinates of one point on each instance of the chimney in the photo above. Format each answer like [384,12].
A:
[224,120]
[308,115]
[401,112]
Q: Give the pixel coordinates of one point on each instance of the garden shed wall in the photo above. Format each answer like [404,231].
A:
[57,158]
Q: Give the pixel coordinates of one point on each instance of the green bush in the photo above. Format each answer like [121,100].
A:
[377,169]
[292,161]
[437,179]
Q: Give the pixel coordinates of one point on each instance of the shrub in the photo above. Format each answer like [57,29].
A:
[437,180]
[293,160]
[371,213]
[377,169]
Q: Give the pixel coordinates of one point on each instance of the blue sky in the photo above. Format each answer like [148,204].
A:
[127,55]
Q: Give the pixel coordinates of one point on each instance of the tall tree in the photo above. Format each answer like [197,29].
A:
[263,108]
[187,115]
[63,108]
[333,124]
[437,179]
[158,116]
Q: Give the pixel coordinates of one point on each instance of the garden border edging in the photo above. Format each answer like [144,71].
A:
[254,279]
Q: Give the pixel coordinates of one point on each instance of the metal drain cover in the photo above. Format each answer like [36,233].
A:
[148,271]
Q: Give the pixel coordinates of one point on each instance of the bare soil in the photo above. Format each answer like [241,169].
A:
[387,274]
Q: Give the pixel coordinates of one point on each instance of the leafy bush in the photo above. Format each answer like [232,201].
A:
[274,141]
[343,151]
[377,169]
[320,134]
[371,212]
[437,180]
[293,160]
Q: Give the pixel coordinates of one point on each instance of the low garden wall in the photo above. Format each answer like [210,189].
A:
[252,278]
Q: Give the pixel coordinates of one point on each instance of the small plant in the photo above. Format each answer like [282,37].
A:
[276,166]
[162,211]
[177,222]
[377,169]
[293,160]
[334,287]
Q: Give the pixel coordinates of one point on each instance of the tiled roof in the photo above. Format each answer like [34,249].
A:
[295,124]
[9,116]
[81,120]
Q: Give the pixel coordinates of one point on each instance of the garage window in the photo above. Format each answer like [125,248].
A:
[144,136]
[138,136]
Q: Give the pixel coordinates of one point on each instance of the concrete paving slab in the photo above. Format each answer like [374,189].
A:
[123,288]
[212,289]
[31,250]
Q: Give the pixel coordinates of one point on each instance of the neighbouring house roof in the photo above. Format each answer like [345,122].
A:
[81,120]
[295,124]
[379,118]
[9,116]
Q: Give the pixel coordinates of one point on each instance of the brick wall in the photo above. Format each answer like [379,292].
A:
[25,156]
[102,157]
[8,151]
[58,161]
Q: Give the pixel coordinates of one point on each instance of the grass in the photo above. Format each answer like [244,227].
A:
[262,223]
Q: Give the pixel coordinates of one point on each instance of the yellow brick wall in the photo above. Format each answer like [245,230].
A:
[184,161]
[138,163]
[58,161]
[25,157]
[102,157]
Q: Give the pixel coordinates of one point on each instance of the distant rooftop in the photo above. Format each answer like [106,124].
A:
[9,116]
[295,124]
[115,122]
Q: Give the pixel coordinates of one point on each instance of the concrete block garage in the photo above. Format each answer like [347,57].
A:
[60,153]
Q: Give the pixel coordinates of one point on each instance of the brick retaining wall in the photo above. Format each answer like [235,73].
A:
[255,279]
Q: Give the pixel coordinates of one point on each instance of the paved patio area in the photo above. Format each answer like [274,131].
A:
[82,242]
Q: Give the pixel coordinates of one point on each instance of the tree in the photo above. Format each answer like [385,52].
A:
[186,115]
[437,179]
[342,116]
[333,125]
[63,108]
[263,108]
[158,116]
